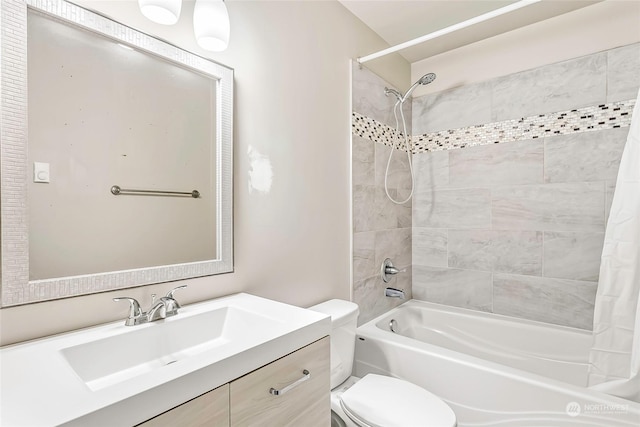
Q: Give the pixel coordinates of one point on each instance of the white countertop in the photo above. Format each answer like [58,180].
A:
[38,387]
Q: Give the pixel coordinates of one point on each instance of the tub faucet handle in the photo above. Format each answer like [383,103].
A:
[387,269]
[393,270]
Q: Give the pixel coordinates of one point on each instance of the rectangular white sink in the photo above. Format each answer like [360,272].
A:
[122,375]
[144,348]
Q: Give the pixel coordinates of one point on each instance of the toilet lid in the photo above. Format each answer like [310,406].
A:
[380,401]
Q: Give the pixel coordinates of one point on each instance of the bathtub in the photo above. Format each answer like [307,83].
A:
[492,370]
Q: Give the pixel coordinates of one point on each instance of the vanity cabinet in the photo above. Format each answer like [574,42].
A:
[291,391]
[304,398]
[210,409]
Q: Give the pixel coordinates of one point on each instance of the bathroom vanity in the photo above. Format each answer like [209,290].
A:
[302,399]
[238,360]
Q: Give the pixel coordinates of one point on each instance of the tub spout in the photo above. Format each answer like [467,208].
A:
[394,293]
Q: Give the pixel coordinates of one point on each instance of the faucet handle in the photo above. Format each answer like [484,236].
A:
[170,293]
[171,303]
[135,311]
[393,270]
[387,269]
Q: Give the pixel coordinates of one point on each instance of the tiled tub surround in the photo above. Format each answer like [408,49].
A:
[517,227]
[381,229]
[514,222]
[529,249]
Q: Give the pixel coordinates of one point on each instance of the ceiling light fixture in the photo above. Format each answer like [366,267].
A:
[165,12]
[211,25]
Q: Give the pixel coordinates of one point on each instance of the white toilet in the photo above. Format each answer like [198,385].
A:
[374,400]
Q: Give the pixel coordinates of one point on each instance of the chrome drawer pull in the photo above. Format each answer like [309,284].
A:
[275,392]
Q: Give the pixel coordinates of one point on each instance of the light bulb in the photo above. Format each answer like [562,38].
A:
[211,25]
[165,12]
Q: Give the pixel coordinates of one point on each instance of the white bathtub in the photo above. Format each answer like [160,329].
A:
[492,370]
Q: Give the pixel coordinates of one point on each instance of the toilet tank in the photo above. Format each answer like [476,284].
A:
[344,317]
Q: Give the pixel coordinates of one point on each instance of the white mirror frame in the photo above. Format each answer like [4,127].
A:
[16,288]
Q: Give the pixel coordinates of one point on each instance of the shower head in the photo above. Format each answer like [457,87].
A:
[427,78]
[424,80]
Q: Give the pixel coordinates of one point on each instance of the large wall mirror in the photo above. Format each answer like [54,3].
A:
[116,156]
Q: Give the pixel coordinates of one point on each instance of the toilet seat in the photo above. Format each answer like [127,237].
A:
[381,401]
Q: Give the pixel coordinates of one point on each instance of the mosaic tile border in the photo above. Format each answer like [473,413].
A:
[13,155]
[368,128]
[605,116]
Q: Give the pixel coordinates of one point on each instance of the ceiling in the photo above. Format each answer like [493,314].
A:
[398,21]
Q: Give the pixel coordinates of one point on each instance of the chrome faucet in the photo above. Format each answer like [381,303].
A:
[394,293]
[167,306]
[157,311]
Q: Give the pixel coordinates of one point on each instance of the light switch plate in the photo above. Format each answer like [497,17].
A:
[41,172]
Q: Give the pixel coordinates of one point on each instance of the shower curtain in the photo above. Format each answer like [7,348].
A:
[615,354]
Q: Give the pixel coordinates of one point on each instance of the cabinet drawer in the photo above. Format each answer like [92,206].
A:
[305,403]
[210,409]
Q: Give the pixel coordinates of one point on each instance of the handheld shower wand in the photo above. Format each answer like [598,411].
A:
[424,80]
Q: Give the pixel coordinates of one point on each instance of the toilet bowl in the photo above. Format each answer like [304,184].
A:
[373,400]
[338,417]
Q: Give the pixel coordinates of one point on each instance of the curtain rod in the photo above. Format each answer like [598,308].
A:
[449,29]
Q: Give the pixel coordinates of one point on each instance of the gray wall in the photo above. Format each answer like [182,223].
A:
[381,229]
[516,228]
